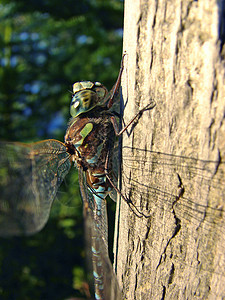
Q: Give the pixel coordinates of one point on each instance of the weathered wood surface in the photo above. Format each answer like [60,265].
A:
[173,165]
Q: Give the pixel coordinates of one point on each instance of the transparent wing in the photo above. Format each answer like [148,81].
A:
[105,282]
[160,170]
[156,184]
[30,175]
[115,172]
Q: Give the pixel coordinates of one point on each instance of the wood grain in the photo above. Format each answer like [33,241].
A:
[173,163]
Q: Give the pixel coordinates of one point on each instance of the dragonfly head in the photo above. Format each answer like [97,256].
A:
[86,95]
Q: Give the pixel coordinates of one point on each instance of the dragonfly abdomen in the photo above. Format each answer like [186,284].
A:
[92,134]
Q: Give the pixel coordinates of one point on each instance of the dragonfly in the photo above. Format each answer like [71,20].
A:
[34,172]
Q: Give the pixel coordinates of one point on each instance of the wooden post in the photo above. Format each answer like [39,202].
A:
[173,160]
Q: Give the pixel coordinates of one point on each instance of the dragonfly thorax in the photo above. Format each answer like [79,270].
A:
[92,134]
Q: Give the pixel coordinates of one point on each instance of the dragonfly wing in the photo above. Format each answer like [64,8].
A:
[105,282]
[115,174]
[30,175]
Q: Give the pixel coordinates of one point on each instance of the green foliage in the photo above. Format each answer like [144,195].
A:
[43,55]
[46,46]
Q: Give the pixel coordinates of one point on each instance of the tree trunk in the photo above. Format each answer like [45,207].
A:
[170,244]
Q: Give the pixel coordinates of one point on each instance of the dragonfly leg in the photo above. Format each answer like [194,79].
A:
[135,210]
[138,115]
[117,84]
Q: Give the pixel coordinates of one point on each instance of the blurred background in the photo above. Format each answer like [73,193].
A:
[46,46]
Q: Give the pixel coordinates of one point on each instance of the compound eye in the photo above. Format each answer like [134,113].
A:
[77,87]
[82,85]
[100,92]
